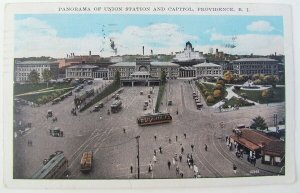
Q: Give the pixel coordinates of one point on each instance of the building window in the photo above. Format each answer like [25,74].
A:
[277,159]
[267,158]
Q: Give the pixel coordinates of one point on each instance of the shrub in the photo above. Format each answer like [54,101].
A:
[257,82]
[220,82]
[218,87]
[217,93]
[207,93]
[210,99]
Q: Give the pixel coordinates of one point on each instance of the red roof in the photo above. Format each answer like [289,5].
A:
[254,140]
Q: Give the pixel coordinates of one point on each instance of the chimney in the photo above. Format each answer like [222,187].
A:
[217,51]
[275,53]
[90,52]
[143,50]
[151,52]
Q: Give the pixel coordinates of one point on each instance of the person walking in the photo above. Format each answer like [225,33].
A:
[181,174]
[205,147]
[124,130]
[176,138]
[177,170]
[131,168]
[234,168]
[154,159]
[180,157]
[169,164]
[170,140]
[160,151]
[173,160]
[182,150]
[192,146]
[184,135]
[155,152]
[154,137]
[150,167]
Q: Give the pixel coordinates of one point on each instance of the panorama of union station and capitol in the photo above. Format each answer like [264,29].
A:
[187,114]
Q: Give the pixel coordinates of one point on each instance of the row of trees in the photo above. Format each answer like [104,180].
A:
[34,76]
[258,79]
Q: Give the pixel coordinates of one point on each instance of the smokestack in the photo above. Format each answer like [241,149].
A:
[90,52]
[67,55]
[151,52]
[143,50]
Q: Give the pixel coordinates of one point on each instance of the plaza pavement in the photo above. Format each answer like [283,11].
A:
[115,151]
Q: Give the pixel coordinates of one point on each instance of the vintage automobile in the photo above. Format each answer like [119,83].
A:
[56,132]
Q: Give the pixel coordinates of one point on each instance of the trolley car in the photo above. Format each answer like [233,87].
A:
[155,118]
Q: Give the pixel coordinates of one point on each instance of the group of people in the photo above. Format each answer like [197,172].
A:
[73,112]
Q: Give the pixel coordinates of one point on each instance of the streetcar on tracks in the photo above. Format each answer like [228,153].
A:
[154,118]
[55,167]
[116,106]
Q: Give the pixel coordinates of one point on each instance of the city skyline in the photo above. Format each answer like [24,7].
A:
[58,35]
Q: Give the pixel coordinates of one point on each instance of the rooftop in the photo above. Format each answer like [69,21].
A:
[83,66]
[123,64]
[206,64]
[255,60]
[166,64]
[36,62]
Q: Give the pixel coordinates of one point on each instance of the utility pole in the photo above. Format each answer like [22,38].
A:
[138,154]
[275,120]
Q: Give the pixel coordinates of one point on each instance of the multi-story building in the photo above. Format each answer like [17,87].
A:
[143,68]
[23,69]
[188,56]
[81,71]
[250,66]
[208,70]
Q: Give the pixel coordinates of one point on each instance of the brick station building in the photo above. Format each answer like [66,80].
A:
[254,142]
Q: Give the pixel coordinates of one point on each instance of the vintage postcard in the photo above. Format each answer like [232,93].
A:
[188,93]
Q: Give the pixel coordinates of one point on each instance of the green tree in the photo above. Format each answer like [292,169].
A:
[271,79]
[117,78]
[210,99]
[163,77]
[217,93]
[228,77]
[47,75]
[34,77]
[259,123]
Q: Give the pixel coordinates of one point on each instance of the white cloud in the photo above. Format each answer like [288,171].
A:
[260,26]
[251,43]
[36,38]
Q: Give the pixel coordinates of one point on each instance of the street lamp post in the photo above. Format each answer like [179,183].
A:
[138,154]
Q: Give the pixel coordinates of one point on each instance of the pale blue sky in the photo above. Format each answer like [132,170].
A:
[200,30]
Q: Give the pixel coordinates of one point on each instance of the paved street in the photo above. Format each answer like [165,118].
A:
[114,150]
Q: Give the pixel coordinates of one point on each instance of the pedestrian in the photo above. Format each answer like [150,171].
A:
[155,152]
[155,137]
[160,151]
[131,168]
[181,174]
[150,168]
[154,159]
[169,164]
[175,157]
[192,146]
[205,147]
[177,170]
[170,140]
[182,150]
[184,135]
[124,130]
[173,160]
[180,157]
[254,160]
[176,138]
[234,168]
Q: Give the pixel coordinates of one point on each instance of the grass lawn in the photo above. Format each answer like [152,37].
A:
[236,102]
[255,95]
[210,89]
[24,88]
[50,95]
